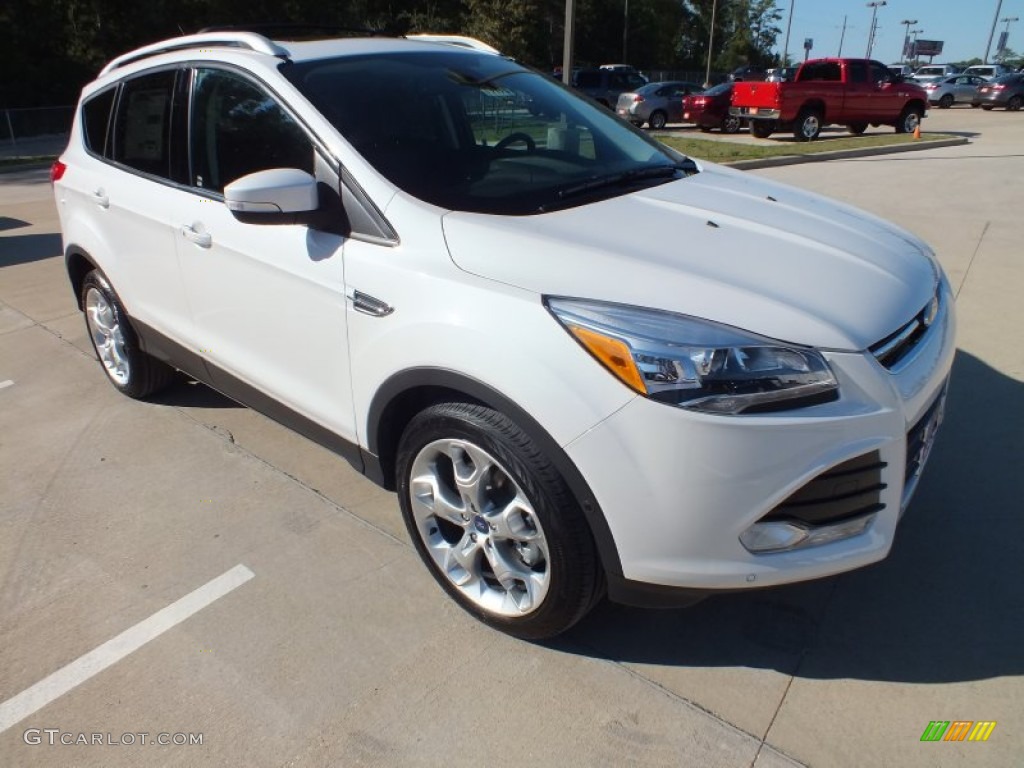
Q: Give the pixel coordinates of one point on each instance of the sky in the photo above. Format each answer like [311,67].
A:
[964,26]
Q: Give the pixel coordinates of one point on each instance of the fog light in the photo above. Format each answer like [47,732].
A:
[783,535]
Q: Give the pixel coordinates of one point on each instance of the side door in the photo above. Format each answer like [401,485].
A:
[889,97]
[859,93]
[145,155]
[268,299]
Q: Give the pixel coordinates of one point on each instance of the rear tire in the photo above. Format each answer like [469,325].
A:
[658,120]
[808,125]
[761,129]
[988,107]
[494,522]
[132,372]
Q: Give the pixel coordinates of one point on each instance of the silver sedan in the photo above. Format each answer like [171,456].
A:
[656,103]
[947,91]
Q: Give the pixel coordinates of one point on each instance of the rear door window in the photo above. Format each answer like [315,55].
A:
[142,126]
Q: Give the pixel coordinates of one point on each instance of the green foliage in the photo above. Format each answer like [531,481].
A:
[56,46]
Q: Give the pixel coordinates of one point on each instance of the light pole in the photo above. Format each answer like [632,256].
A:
[711,43]
[789,25]
[874,13]
[995,20]
[1006,34]
[906,38]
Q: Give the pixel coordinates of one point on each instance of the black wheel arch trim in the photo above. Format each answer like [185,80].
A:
[382,438]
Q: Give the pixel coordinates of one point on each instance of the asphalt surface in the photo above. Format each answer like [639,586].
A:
[186,567]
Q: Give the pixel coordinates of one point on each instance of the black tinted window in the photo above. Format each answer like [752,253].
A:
[142,126]
[858,71]
[96,119]
[237,129]
[821,70]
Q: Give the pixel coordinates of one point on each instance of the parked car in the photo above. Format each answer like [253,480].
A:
[1005,91]
[606,85]
[656,103]
[851,92]
[932,72]
[348,236]
[710,109]
[781,74]
[988,71]
[948,91]
[748,72]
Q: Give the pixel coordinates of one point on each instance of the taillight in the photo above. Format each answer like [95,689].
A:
[998,87]
[637,98]
[57,171]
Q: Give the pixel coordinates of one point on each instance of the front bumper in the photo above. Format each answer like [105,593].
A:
[678,488]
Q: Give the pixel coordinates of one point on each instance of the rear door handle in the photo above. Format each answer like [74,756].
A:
[202,239]
[100,198]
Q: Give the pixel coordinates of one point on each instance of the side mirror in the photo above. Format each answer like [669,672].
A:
[274,191]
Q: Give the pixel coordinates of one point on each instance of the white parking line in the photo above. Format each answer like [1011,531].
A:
[77,672]
[5,384]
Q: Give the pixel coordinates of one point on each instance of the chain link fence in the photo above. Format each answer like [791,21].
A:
[33,125]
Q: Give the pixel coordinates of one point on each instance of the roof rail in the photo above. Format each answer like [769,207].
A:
[246,40]
[460,41]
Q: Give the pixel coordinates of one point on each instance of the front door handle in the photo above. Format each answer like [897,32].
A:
[100,198]
[202,239]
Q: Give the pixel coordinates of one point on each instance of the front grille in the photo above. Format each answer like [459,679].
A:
[897,346]
[848,490]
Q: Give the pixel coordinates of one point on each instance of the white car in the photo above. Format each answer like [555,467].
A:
[425,257]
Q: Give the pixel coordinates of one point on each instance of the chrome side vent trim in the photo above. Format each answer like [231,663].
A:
[369,305]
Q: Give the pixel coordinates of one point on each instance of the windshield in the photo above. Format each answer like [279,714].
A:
[476,132]
[931,71]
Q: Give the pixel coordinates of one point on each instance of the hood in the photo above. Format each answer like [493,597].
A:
[720,245]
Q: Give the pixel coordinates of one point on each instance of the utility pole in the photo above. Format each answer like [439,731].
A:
[570,37]
[789,25]
[842,36]
[995,20]
[711,43]
[874,15]
[906,39]
[625,31]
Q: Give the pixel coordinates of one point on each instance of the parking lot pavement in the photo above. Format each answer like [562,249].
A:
[340,650]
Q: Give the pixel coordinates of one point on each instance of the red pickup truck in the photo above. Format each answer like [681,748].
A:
[851,92]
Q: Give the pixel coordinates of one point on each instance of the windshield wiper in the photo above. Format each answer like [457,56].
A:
[686,166]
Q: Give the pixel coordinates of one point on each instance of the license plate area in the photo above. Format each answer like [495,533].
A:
[920,440]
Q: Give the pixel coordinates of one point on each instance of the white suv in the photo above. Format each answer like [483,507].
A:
[424,256]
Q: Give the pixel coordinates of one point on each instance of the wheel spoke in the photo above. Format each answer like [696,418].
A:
[430,498]
[461,562]
[517,580]
[472,468]
[515,521]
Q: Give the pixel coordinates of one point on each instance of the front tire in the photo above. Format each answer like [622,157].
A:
[946,101]
[494,521]
[132,372]
[658,120]
[1014,104]
[909,120]
[857,128]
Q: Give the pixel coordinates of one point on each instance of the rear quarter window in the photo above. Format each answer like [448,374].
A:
[142,126]
[96,120]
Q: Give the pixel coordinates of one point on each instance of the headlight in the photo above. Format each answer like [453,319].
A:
[696,364]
